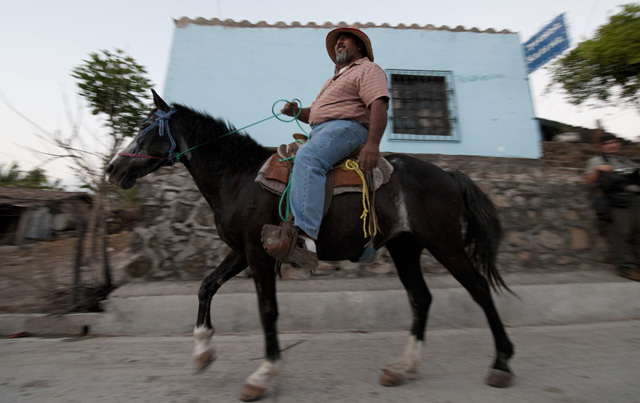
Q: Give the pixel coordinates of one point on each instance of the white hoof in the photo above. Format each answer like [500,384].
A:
[203,352]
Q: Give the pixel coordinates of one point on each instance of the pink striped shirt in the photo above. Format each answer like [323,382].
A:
[349,95]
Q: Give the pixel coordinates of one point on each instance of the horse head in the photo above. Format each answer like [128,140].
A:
[154,146]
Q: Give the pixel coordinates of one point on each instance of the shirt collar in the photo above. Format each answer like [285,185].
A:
[362,60]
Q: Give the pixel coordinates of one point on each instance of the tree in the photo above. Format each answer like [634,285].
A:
[607,67]
[37,179]
[114,84]
[34,179]
[11,176]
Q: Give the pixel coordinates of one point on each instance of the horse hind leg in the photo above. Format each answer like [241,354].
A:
[257,383]
[500,375]
[405,252]
[460,266]
[203,351]
[394,373]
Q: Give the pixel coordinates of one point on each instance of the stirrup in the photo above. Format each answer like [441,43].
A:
[303,258]
[279,240]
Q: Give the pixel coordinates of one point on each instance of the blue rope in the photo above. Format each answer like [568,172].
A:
[162,121]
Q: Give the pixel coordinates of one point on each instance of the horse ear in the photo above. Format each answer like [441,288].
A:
[160,104]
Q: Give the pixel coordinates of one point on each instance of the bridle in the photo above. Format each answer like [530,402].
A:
[162,122]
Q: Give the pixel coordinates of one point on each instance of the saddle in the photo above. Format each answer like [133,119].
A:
[278,170]
[274,176]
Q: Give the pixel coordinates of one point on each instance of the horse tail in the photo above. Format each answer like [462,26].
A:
[483,232]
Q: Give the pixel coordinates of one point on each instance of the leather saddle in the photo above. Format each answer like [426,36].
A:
[279,166]
[275,173]
[280,170]
[279,240]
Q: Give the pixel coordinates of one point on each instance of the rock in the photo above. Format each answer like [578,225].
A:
[551,240]
[139,267]
[580,239]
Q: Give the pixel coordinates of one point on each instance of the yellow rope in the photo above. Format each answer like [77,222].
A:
[352,165]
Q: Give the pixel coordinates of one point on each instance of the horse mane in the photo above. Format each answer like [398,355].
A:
[237,151]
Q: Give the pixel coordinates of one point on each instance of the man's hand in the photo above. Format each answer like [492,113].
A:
[595,174]
[292,109]
[368,157]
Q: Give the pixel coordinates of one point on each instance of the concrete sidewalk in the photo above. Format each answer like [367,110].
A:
[166,308]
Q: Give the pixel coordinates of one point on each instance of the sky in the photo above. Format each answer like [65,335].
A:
[41,41]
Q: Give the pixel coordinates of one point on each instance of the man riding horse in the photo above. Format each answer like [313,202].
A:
[349,111]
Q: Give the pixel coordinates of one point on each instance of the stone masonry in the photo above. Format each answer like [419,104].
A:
[544,206]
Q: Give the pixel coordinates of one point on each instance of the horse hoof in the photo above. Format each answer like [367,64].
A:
[499,379]
[251,393]
[391,378]
[203,360]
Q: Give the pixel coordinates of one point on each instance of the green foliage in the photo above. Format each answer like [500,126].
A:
[125,198]
[34,179]
[606,67]
[114,84]
[11,176]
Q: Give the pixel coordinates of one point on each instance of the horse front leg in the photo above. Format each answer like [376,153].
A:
[406,257]
[203,351]
[265,281]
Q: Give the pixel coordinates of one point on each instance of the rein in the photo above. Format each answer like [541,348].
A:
[162,121]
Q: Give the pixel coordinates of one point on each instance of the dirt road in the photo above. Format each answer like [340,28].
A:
[38,277]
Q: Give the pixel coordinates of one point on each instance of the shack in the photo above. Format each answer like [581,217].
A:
[37,214]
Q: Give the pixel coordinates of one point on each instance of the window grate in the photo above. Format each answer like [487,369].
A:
[422,106]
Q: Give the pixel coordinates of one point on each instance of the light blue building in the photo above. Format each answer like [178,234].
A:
[453,91]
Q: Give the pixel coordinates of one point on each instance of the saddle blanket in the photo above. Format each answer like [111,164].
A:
[274,176]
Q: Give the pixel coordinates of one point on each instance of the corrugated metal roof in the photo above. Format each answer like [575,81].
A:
[23,197]
[185,21]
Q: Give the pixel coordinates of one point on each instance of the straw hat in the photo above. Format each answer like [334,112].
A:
[332,39]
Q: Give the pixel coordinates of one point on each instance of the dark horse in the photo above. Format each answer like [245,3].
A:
[422,206]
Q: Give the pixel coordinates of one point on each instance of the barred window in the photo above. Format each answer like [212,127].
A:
[422,105]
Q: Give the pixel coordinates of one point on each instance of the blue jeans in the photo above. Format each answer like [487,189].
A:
[329,143]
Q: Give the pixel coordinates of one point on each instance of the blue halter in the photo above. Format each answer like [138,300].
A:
[162,121]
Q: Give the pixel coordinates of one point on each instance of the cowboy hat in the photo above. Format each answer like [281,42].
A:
[332,39]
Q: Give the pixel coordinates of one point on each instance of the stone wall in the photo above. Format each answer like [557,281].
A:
[544,206]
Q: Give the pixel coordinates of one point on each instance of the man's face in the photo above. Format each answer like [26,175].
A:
[611,146]
[346,49]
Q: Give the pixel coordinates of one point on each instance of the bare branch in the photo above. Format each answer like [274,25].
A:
[17,112]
